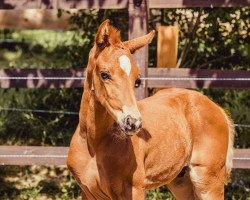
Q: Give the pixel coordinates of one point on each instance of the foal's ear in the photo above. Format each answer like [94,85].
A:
[106,35]
[139,42]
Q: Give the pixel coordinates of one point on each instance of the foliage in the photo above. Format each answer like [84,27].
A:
[31,49]
[219,41]
[161,193]
[37,182]
[239,189]
[38,128]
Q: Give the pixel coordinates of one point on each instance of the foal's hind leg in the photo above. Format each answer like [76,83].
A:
[208,182]
[182,188]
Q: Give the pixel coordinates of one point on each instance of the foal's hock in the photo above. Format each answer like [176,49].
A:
[178,138]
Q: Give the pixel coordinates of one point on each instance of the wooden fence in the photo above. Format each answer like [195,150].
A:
[116,4]
[12,78]
[157,78]
[36,155]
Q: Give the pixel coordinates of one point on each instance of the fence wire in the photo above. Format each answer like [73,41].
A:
[142,78]
[72,113]
[39,111]
[40,78]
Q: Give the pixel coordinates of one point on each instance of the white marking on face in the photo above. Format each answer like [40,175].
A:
[125,64]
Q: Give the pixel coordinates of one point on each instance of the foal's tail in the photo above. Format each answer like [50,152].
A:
[230,148]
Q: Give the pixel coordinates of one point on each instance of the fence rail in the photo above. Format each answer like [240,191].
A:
[115,4]
[37,155]
[32,155]
[70,78]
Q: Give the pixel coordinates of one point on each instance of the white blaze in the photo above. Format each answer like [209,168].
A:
[125,64]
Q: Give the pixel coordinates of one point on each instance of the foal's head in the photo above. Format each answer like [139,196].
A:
[115,76]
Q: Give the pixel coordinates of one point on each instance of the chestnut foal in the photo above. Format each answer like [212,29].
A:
[121,147]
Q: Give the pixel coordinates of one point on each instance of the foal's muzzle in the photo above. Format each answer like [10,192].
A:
[131,125]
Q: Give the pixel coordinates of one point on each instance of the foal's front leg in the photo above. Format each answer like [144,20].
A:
[138,193]
[84,196]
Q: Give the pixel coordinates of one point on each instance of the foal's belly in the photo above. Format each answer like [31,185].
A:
[163,171]
[158,177]
[165,157]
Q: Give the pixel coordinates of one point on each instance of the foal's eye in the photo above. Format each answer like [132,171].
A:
[105,75]
[138,82]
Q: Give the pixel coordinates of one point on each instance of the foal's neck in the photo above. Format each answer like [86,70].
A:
[95,121]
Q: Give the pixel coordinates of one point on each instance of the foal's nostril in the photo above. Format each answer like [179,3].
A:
[129,121]
[132,124]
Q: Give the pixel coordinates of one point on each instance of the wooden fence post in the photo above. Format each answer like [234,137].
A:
[167,46]
[138,26]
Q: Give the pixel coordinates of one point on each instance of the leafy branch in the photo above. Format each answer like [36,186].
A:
[190,40]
